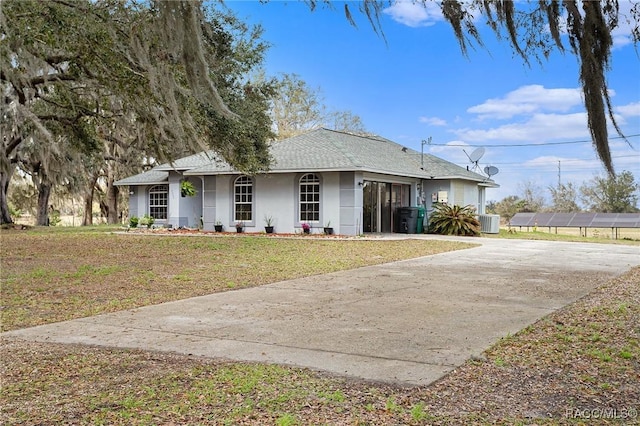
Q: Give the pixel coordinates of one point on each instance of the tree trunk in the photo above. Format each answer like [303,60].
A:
[5,217]
[111,199]
[44,191]
[87,214]
[104,211]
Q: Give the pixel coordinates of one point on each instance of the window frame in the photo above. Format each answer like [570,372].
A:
[303,198]
[248,184]
[154,202]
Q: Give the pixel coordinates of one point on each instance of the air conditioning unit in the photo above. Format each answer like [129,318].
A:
[489,223]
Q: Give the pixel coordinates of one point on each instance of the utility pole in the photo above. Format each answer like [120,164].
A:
[559,180]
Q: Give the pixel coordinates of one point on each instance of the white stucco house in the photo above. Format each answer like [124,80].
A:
[356,183]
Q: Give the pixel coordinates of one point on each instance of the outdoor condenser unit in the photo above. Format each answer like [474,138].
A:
[489,223]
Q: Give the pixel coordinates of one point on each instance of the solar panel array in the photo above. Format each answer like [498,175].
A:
[578,220]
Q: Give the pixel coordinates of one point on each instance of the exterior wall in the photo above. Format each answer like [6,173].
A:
[482,200]
[224,206]
[191,207]
[139,201]
[209,216]
[331,211]
[350,203]
[184,211]
[136,201]
[431,190]
[470,194]
[173,208]
[377,177]
[458,192]
[274,195]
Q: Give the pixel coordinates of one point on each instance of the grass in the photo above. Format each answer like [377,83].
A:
[55,274]
[580,359]
[602,236]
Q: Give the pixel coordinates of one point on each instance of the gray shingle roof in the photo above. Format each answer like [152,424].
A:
[323,150]
[150,177]
[328,150]
[190,162]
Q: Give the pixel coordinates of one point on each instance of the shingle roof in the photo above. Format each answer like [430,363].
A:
[324,150]
[190,162]
[327,150]
[150,177]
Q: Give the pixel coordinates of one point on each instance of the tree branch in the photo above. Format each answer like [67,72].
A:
[42,79]
[13,144]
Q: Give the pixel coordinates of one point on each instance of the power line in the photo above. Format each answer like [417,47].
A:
[569,166]
[528,144]
[567,160]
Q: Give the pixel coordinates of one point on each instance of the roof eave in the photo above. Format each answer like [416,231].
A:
[118,183]
[489,184]
[420,175]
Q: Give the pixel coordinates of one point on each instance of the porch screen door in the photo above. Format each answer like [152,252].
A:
[380,201]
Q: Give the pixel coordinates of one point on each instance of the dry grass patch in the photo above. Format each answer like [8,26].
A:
[50,276]
[626,236]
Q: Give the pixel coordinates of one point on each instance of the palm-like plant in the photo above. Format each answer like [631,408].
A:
[454,220]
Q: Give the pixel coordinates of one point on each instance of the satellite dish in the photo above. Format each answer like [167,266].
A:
[476,155]
[491,170]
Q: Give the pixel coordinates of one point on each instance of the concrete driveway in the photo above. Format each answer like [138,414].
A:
[407,322]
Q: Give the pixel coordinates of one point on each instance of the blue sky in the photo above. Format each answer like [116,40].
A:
[419,85]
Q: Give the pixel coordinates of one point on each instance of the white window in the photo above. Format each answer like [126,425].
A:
[309,198]
[158,201]
[243,202]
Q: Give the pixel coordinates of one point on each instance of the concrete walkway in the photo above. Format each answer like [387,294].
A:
[407,322]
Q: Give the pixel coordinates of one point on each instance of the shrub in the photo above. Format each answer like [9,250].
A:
[454,220]
[147,220]
[54,218]
[133,221]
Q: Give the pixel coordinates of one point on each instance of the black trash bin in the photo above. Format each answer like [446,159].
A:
[407,220]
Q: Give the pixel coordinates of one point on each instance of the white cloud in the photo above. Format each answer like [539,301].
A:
[535,125]
[630,110]
[415,14]
[620,40]
[433,121]
[539,128]
[528,100]
[550,162]
[629,162]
